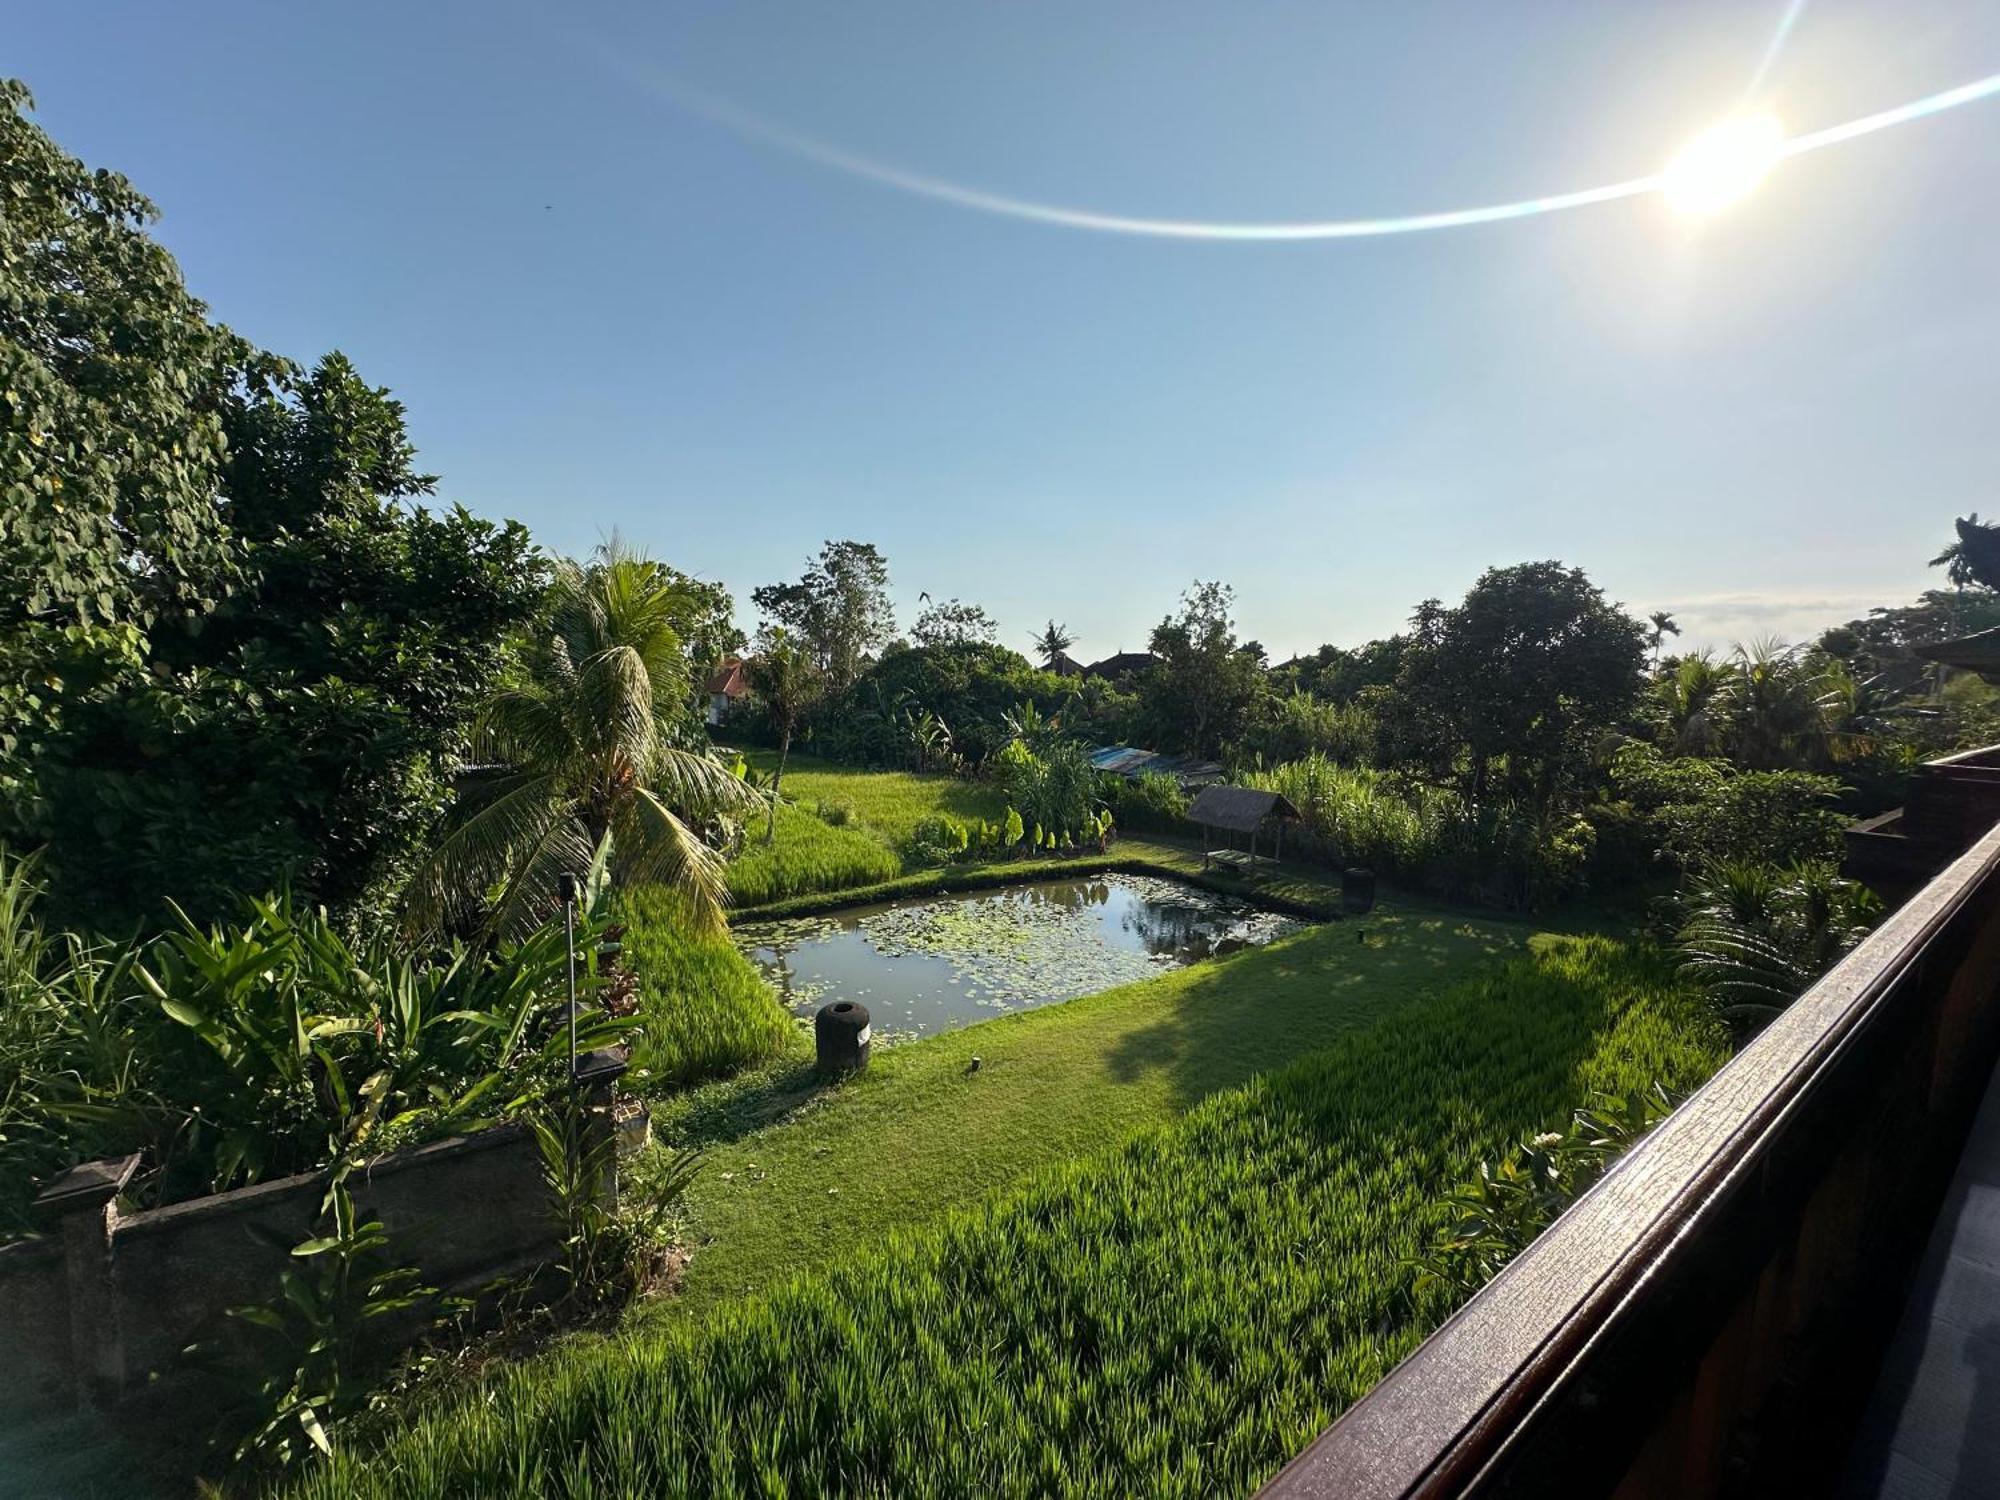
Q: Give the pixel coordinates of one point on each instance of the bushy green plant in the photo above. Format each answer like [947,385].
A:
[1698,812]
[1510,1201]
[1755,936]
[1429,837]
[1148,803]
[940,839]
[234,1052]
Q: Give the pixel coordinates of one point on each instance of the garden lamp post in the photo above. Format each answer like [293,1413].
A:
[566,893]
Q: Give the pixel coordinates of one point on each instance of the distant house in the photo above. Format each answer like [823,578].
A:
[726,684]
[1065,665]
[1122,667]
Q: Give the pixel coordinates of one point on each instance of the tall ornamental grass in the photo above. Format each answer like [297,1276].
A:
[708,1012]
[1175,1317]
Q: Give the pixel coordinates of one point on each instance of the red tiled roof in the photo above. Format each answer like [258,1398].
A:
[729,679]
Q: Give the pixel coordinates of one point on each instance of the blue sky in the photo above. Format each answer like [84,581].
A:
[606,312]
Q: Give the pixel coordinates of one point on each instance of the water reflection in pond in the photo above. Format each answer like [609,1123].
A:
[929,964]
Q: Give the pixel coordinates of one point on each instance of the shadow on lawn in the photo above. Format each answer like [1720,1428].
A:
[1257,1011]
[716,1116]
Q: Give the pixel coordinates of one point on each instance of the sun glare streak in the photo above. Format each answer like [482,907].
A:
[1793,10]
[1711,178]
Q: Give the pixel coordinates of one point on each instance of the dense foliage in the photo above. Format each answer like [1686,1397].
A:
[1508,693]
[1144,1321]
[230,654]
[265,1045]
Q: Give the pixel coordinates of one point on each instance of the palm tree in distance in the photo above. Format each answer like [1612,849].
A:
[1052,643]
[577,750]
[1663,626]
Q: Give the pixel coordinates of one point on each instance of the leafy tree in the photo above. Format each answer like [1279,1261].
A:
[951,623]
[231,654]
[580,747]
[1199,694]
[1524,677]
[113,385]
[839,609]
[1052,643]
[789,681]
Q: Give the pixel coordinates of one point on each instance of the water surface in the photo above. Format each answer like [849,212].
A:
[931,963]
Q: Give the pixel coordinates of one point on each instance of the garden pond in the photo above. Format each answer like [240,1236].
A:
[932,963]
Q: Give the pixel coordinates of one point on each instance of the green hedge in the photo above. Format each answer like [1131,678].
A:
[1174,1317]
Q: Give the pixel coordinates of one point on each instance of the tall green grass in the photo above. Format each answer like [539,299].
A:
[1175,1317]
[1429,837]
[810,855]
[708,1011]
[881,810]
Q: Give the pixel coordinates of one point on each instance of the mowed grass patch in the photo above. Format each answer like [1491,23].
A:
[708,1010]
[919,1133]
[1175,1317]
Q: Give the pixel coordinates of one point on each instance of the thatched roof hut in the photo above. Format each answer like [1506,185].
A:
[1242,810]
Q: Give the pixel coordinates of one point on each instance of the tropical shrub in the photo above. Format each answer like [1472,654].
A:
[1297,724]
[1697,812]
[1055,789]
[1508,1203]
[1756,936]
[1150,803]
[231,1053]
[1143,1321]
[1429,837]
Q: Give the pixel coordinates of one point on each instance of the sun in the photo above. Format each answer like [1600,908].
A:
[1723,164]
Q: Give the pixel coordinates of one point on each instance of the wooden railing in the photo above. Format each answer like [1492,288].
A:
[1708,1318]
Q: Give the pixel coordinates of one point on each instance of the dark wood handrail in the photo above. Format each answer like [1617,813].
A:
[1699,1313]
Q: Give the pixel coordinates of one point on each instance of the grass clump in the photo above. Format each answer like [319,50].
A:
[1174,1317]
[708,1011]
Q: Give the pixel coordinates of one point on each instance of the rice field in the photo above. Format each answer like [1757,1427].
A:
[810,856]
[1172,1317]
[875,811]
[708,1011]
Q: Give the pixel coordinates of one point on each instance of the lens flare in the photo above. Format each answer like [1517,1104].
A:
[1707,174]
[1723,165]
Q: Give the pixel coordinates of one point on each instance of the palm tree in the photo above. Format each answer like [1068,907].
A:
[577,751]
[1786,708]
[1755,937]
[1663,626]
[1686,703]
[1052,643]
[786,677]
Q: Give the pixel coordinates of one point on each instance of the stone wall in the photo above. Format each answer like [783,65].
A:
[108,1300]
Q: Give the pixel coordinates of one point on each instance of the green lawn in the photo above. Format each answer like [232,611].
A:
[1052,1084]
[1173,1316]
